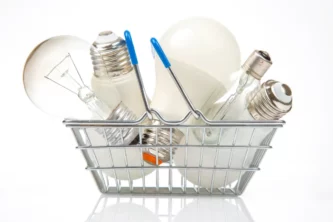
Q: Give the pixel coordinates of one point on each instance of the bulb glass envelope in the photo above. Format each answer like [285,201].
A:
[56,73]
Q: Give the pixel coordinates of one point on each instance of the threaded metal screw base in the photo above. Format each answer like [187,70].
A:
[109,55]
[162,135]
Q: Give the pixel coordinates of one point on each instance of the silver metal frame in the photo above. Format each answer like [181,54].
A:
[113,185]
[79,128]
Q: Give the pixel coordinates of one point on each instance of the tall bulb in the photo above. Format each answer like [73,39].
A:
[112,67]
[54,79]
[202,52]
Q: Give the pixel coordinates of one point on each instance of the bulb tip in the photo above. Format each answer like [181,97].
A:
[106,37]
[282,92]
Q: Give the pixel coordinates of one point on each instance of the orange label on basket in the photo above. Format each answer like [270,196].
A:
[150,158]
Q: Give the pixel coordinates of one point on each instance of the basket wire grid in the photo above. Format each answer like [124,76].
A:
[166,177]
[107,184]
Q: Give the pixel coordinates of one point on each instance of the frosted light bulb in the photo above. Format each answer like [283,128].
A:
[111,50]
[272,101]
[203,44]
[203,53]
[113,67]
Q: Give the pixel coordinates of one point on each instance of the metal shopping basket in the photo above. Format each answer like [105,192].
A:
[241,161]
[107,184]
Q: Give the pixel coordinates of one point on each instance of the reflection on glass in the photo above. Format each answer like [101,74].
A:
[167,209]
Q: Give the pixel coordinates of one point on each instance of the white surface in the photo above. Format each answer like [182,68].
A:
[43,176]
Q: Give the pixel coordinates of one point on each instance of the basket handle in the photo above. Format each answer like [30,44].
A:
[167,65]
[134,61]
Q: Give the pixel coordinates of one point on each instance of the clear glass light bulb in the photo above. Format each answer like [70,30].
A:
[201,52]
[54,73]
[55,77]
[249,80]
[249,77]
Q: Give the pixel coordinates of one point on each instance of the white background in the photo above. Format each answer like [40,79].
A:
[42,176]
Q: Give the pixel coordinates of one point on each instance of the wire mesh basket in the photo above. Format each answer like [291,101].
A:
[120,167]
[243,160]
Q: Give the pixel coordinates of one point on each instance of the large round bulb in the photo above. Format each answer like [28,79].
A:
[203,54]
[55,77]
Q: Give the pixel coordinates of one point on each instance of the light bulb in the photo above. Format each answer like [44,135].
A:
[51,60]
[203,54]
[272,101]
[54,77]
[112,62]
[249,76]
[112,66]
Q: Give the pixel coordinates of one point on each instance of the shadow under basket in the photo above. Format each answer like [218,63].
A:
[238,150]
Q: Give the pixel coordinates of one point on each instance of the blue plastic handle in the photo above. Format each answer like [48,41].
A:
[160,52]
[130,47]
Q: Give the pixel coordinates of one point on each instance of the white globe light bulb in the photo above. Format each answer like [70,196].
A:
[203,54]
